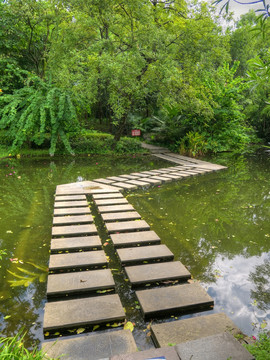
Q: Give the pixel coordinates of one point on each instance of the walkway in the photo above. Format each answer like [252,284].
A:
[81,288]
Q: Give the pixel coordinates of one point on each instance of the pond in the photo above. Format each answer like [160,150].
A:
[216,224]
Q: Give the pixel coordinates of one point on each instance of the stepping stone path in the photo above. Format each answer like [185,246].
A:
[75,234]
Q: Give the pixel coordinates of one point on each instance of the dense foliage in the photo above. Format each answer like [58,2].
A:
[166,67]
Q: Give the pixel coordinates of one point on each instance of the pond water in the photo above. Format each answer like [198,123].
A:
[216,224]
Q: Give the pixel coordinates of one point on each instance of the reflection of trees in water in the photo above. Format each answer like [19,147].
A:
[261,280]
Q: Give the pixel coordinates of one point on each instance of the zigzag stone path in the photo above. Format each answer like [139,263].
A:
[116,212]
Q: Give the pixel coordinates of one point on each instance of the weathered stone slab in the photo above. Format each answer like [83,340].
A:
[144,274]
[115,178]
[127,226]
[84,311]
[162,171]
[125,185]
[68,190]
[149,173]
[184,174]
[176,175]
[130,177]
[91,346]
[135,238]
[171,176]
[103,191]
[189,172]
[107,196]
[71,211]
[120,216]
[115,208]
[76,243]
[144,253]
[74,230]
[66,204]
[221,346]
[138,182]
[138,174]
[77,260]
[169,158]
[198,327]
[152,181]
[178,298]
[104,181]
[111,202]
[69,197]
[77,219]
[162,178]
[168,353]
[78,282]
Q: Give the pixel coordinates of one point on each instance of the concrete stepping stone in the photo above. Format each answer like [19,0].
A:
[135,238]
[198,327]
[78,282]
[125,186]
[127,226]
[77,260]
[138,182]
[104,181]
[129,177]
[91,346]
[69,190]
[221,346]
[71,211]
[162,178]
[66,204]
[129,256]
[168,353]
[104,191]
[115,208]
[77,219]
[120,216]
[81,312]
[115,178]
[111,201]
[69,197]
[149,173]
[160,171]
[171,299]
[144,274]
[74,230]
[76,243]
[177,175]
[139,174]
[152,181]
[107,196]
[171,176]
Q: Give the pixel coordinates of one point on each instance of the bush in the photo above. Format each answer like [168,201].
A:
[261,348]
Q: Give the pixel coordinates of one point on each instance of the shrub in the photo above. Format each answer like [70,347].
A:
[261,348]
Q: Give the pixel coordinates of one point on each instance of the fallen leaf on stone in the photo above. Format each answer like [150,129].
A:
[129,326]
[80,330]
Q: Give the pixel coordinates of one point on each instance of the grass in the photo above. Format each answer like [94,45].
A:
[261,348]
[13,348]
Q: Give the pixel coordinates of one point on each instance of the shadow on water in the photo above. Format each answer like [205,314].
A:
[216,224]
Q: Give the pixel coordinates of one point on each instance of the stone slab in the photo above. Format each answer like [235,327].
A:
[138,182]
[162,178]
[135,238]
[78,282]
[131,177]
[183,174]
[66,204]
[139,174]
[120,216]
[77,260]
[162,171]
[127,226]
[173,299]
[69,197]
[76,243]
[176,174]
[74,230]
[77,219]
[172,176]
[149,273]
[168,353]
[125,185]
[149,173]
[191,329]
[169,158]
[115,208]
[91,346]
[84,311]
[107,196]
[153,181]
[221,346]
[71,211]
[103,191]
[115,178]
[104,181]
[111,201]
[144,253]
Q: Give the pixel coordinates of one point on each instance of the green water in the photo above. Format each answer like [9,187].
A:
[216,224]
